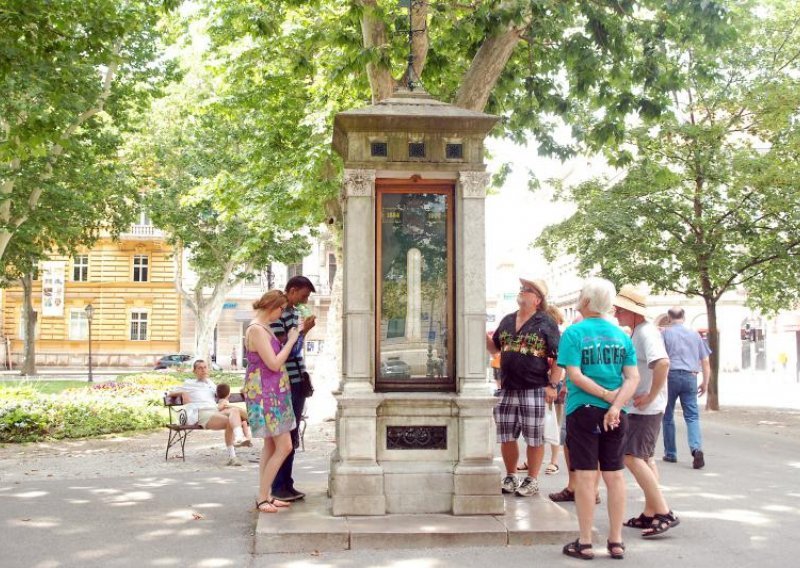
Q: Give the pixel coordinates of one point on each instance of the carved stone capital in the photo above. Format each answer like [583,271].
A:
[473,184]
[359,183]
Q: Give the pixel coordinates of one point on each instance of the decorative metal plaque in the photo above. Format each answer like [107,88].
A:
[416,437]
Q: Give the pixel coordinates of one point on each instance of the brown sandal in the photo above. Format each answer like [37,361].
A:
[612,546]
[567,494]
[576,550]
[562,496]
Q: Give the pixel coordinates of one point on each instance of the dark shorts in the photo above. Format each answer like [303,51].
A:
[642,435]
[590,445]
[521,412]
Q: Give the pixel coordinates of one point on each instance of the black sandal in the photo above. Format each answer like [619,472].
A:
[661,524]
[575,549]
[610,546]
[640,522]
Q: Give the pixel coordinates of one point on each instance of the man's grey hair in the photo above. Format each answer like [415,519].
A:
[600,293]
[676,314]
[196,363]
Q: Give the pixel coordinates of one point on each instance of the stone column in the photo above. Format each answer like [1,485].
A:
[471,282]
[356,479]
[358,288]
[476,478]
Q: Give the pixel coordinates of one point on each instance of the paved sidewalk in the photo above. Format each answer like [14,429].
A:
[117,502]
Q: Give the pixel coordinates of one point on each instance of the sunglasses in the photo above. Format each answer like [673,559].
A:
[526,290]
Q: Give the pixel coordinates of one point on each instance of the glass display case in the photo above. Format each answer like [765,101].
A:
[414,293]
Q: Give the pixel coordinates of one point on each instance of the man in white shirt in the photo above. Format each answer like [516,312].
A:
[200,399]
[647,411]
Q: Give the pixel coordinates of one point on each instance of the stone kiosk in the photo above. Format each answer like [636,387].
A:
[414,423]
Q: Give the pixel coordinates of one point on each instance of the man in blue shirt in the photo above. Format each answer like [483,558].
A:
[688,354]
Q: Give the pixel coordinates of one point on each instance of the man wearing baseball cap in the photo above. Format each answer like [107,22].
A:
[647,411]
[525,340]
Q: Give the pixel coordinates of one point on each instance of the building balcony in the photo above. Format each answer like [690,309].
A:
[142,231]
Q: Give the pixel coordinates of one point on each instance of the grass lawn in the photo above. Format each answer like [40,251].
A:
[52,386]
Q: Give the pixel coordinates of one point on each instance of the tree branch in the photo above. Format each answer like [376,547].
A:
[485,69]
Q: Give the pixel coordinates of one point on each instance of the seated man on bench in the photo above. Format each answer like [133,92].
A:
[199,396]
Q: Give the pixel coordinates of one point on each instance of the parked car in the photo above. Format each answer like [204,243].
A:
[395,368]
[173,360]
[179,360]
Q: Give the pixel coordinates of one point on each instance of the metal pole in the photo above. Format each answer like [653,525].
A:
[90,350]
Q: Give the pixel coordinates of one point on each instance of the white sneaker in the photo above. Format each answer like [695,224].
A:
[234,462]
[509,484]
[528,488]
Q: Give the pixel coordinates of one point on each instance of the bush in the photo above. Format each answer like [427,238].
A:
[132,402]
[26,415]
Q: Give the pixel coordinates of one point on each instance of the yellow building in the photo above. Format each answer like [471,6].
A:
[129,283]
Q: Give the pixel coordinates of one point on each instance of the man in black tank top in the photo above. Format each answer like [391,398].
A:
[297,289]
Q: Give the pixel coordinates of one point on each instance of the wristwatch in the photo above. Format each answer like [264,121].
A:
[554,385]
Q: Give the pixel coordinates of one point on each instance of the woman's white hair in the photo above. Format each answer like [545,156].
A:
[600,294]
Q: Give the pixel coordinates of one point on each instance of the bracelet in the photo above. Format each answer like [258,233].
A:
[605,393]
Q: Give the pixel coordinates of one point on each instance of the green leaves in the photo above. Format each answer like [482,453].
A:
[709,201]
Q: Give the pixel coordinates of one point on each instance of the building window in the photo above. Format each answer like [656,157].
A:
[138,325]
[78,324]
[140,264]
[80,268]
[416,149]
[379,149]
[293,270]
[454,152]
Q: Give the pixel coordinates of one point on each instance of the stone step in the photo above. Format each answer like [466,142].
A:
[308,526]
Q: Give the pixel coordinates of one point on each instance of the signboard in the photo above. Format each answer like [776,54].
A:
[53,288]
[229,306]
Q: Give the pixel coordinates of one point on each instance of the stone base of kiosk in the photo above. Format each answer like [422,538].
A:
[411,453]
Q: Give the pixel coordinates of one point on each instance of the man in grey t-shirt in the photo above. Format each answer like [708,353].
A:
[646,412]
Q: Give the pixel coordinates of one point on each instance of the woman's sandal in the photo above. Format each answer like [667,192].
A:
[661,524]
[260,506]
[523,466]
[274,503]
[640,522]
[575,549]
[611,546]
[551,469]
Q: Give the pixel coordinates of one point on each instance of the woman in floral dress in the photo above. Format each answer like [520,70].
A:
[268,394]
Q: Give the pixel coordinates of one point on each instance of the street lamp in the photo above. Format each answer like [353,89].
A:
[89,314]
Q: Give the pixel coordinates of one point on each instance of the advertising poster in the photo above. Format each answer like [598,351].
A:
[53,288]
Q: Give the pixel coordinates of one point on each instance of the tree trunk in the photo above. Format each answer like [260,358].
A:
[374,35]
[712,400]
[29,317]
[207,311]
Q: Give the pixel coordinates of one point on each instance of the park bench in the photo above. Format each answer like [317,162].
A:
[179,428]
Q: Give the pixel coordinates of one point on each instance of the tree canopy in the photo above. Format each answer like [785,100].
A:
[67,70]
[711,199]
